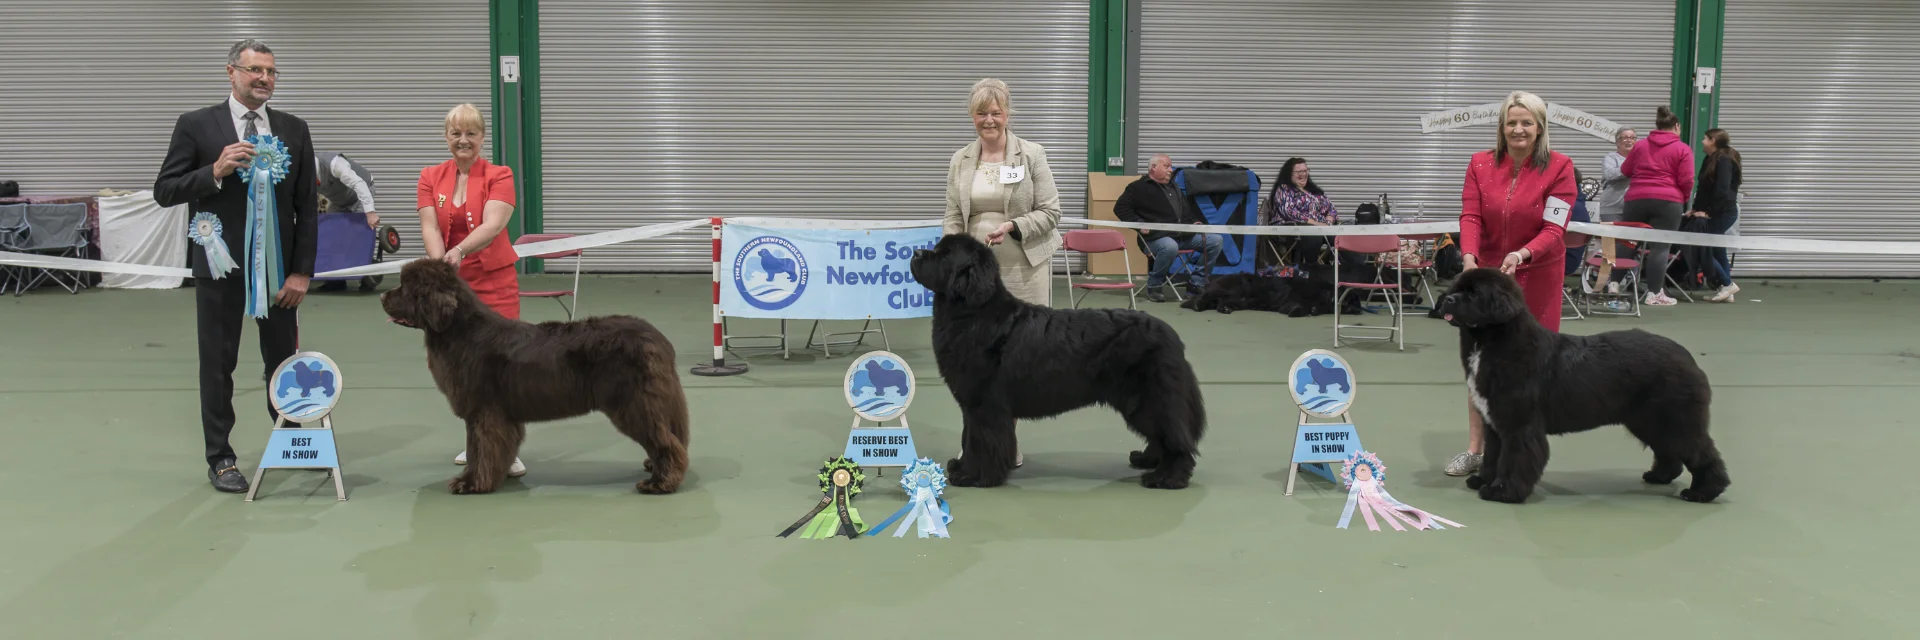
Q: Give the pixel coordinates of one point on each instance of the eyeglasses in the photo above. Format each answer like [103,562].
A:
[255,71]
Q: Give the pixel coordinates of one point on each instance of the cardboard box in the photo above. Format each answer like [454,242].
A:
[1102,191]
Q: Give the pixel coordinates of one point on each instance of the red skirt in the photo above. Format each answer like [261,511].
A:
[1541,284]
[499,288]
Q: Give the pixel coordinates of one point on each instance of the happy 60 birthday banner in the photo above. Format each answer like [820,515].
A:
[817,270]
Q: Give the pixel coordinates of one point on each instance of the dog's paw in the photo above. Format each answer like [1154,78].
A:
[1475,481]
[960,475]
[1702,497]
[655,486]
[1141,460]
[1165,480]
[463,485]
[1656,476]
[1502,492]
[648,465]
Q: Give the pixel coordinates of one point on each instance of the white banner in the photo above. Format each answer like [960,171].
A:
[1488,113]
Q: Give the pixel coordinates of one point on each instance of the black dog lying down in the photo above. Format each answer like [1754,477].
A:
[1294,296]
[1005,359]
[1528,382]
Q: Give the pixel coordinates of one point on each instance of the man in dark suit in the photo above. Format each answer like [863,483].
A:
[202,170]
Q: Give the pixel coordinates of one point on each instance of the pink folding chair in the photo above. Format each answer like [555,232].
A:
[1370,244]
[1091,241]
[1572,240]
[557,296]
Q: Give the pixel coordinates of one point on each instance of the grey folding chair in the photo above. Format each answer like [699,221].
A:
[57,230]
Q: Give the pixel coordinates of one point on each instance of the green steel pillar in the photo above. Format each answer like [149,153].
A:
[1699,36]
[514,47]
[1107,46]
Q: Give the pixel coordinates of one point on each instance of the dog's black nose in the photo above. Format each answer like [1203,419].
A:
[920,253]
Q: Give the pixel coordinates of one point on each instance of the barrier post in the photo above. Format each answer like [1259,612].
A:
[719,366]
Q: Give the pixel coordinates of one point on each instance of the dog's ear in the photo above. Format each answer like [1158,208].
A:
[971,284]
[437,310]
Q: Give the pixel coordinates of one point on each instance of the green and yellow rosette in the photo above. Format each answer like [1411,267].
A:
[840,481]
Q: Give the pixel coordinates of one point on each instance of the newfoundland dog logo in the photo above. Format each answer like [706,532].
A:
[306,387]
[879,386]
[1322,383]
[770,272]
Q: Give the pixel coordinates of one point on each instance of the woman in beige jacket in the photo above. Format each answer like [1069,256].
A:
[1000,190]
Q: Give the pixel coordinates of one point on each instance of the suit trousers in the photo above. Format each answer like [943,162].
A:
[220,309]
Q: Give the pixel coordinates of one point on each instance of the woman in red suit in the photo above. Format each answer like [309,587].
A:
[1513,214]
[464,205]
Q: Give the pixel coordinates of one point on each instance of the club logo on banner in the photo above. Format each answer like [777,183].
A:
[770,273]
[823,273]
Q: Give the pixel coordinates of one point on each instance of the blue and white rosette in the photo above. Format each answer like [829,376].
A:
[205,230]
[265,274]
[923,481]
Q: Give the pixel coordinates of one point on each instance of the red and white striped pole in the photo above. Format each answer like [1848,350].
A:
[719,366]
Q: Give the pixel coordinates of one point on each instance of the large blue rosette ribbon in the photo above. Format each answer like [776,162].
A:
[265,273]
[923,481]
[205,230]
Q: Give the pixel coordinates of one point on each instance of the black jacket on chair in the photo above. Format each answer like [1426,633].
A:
[186,177]
[1146,201]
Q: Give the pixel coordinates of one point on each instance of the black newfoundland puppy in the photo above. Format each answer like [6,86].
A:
[1005,359]
[1528,383]
[500,374]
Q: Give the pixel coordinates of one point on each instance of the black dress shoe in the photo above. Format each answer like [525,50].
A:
[226,477]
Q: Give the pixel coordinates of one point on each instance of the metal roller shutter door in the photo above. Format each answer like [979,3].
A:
[661,111]
[93,86]
[1253,82]
[1819,99]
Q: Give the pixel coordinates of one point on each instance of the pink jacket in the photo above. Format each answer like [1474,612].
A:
[1660,167]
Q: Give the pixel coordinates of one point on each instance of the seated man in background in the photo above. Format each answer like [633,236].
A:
[1153,198]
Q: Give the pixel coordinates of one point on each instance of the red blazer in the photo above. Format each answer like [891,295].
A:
[487,182]
[1494,224]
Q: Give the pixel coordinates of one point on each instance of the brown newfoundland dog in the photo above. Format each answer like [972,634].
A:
[500,374]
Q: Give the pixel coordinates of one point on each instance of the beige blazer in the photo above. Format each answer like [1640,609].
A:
[1033,203]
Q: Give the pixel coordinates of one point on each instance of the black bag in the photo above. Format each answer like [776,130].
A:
[9,189]
[1367,213]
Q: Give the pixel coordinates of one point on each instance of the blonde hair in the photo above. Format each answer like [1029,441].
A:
[989,91]
[1542,151]
[466,115]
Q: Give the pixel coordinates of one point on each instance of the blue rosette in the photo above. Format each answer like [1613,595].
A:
[924,481]
[205,230]
[270,158]
[265,273]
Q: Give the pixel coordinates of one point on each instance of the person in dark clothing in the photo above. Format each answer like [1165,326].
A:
[1154,198]
[1719,202]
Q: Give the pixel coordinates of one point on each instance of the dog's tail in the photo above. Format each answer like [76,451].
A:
[1185,404]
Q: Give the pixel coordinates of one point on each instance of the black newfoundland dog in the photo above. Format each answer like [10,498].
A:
[1005,359]
[1294,297]
[1528,383]
[500,374]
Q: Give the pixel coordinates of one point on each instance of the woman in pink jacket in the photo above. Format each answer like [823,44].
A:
[1659,171]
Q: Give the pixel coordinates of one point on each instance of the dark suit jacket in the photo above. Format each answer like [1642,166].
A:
[186,177]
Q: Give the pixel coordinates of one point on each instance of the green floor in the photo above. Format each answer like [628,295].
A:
[112,531]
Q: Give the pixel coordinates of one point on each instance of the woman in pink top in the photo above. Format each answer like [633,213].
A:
[1659,171]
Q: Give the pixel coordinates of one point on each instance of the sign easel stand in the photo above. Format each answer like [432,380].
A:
[879,437]
[292,444]
[1325,433]
[297,448]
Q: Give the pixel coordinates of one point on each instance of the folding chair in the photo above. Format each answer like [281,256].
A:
[57,230]
[1423,272]
[1572,240]
[13,231]
[1090,241]
[1622,272]
[577,256]
[1370,245]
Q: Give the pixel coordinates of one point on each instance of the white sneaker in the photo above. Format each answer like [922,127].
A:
[518,469]
[1658,300]
[1725,294]
[1613,287]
